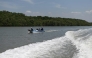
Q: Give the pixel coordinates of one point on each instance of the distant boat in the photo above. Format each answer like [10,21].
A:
[35,31]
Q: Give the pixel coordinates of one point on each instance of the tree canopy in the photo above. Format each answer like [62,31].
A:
[19,19]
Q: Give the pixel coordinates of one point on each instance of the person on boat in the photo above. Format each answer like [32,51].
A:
[28,29]
[31,29]
[42,29]
[37,29]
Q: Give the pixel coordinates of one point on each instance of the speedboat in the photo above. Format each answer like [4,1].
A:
[36,31]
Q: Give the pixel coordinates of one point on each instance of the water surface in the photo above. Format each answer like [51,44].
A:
[12,37]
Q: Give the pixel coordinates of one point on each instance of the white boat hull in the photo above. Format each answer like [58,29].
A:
[36,31]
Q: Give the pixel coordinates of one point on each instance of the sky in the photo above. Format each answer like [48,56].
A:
[78,9]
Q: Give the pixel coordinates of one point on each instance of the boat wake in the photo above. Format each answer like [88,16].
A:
[75,44]
[82,39]
[51,30]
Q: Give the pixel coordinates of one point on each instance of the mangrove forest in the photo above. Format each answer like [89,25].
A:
[19,19]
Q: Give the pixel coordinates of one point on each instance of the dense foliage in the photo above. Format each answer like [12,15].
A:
[19,19]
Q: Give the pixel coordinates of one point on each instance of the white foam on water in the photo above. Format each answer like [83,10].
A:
[56,48]
[82,39]
[51,30]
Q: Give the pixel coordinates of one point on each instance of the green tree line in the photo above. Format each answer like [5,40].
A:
[19,19]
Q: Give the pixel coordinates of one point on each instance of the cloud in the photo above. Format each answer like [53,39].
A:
[89,12]
[29,1]
[31,13]
[50,13]
[8,5]
[76,12]
[28,11]
[59,6]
